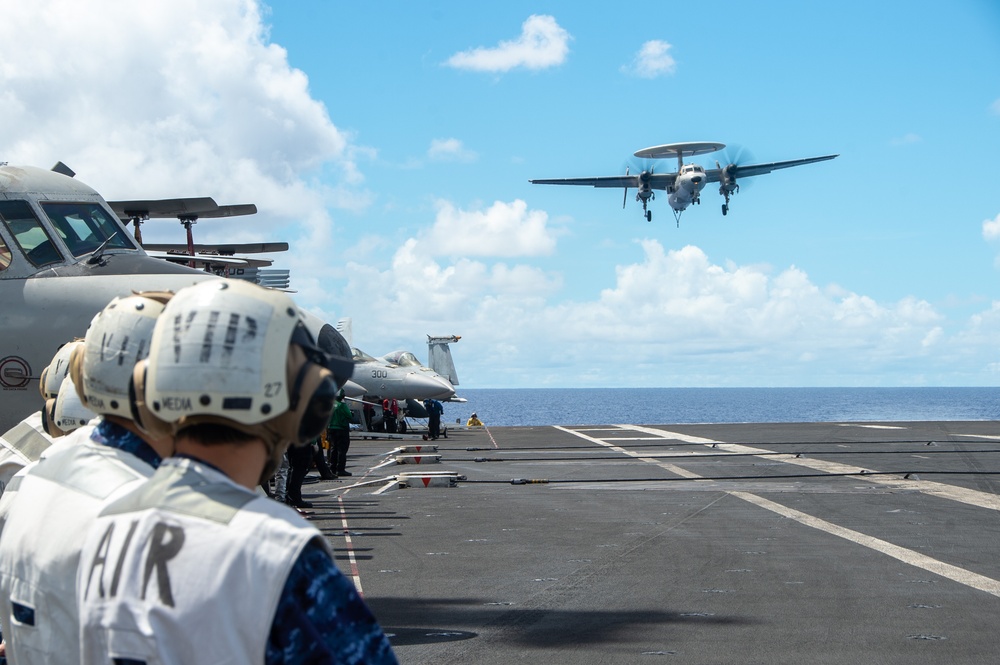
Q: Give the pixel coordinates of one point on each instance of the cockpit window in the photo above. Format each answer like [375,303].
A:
[404,359]
[86,226]
[28,233]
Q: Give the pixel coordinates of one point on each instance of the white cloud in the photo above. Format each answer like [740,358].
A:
[991,228]
[542,44]
[186,98]
[502,230]
[671,318]
[450,150]
[652,60]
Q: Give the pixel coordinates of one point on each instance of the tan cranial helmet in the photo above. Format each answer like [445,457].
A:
[118,337]
[57,370]
[232,353]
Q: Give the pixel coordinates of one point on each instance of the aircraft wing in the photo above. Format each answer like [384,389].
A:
[656,181]
[715,175]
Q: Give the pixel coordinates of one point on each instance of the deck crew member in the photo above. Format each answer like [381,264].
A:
[45,520]
[194,567]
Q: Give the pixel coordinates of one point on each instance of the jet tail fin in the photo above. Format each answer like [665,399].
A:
[439,357]
[344,328]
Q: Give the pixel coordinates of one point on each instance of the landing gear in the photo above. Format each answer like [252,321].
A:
[728,191]
[645,196]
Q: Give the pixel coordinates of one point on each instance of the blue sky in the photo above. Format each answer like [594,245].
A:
[392,144]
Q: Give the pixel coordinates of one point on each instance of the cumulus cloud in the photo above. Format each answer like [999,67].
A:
[652,60]
[542,44]
[450,150]
[671,318]
[179,99]
[991,228]
[502,230]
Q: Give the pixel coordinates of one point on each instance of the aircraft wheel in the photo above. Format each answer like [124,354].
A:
[725,208]
[649,215]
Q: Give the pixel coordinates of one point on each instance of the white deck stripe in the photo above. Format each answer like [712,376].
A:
[355,573]
[960,575]
[942,490]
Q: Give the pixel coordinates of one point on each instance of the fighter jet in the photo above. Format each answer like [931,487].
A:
[398,375]
[64,254]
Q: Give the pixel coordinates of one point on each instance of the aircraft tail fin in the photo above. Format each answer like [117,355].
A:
[439,357]
[344,328]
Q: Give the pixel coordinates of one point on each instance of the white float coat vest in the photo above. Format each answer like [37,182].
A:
[21,445]
[32,447]
[44,520]
[188,568]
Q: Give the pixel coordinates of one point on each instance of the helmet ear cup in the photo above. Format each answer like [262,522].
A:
[41,382]
[142,416]
[76,373]
[319,407]
[49,419]
[311,391]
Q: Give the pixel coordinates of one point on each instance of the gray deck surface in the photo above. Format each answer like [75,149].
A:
[748,543]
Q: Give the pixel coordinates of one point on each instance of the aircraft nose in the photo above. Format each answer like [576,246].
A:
[696,180]
[419,386]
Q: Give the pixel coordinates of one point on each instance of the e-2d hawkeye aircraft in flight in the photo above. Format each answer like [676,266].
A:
[684,185]
[64,254]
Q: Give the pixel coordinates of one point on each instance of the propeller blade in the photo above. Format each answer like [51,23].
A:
[736,156]
[625,198]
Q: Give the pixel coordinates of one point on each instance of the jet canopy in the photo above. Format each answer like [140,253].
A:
[403,359]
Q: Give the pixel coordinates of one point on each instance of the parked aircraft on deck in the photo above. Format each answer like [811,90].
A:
[399,375]
[64,254]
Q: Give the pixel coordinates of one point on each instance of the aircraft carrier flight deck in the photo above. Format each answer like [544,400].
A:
[745,543]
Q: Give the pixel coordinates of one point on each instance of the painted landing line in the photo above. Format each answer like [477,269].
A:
[954,573]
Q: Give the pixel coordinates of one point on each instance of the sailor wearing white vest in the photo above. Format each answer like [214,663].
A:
[45,520]
[194,566]
[32,438]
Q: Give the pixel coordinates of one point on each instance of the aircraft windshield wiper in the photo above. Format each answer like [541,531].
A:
[95,256]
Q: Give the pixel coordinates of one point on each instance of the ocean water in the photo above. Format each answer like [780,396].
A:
[662,406]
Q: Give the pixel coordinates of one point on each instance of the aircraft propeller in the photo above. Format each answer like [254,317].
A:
[646,168]
[734,156]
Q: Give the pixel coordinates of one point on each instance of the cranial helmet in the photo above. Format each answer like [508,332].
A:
[118,337]
[232,353]
[66,412]
[56,386]
[52,376]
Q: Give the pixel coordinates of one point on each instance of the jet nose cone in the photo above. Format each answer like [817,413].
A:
[422,386]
